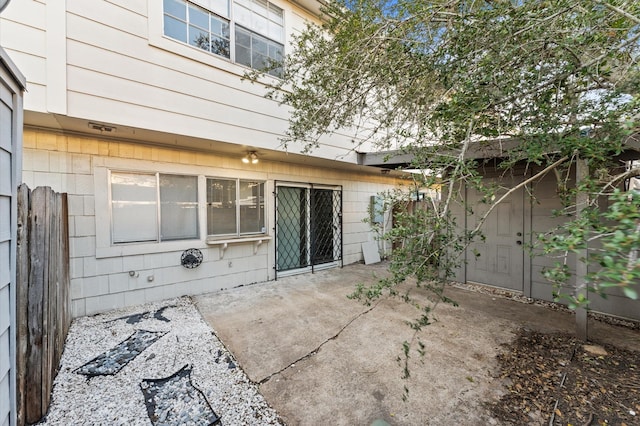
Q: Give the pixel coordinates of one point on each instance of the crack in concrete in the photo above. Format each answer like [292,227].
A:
[317,349]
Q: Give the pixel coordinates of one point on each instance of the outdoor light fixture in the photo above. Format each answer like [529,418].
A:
[251,157]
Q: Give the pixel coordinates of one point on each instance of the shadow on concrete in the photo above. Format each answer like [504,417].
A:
[321,358]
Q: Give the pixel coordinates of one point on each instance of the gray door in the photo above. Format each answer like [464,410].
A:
[497,259]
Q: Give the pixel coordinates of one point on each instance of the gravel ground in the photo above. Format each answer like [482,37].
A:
[117,399]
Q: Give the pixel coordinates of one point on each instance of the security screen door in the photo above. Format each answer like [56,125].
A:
[308,227]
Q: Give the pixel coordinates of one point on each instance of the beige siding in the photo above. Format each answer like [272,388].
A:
[23,29]
[108,61]
[136,6]
[23,36]
[109,58]
[100,272]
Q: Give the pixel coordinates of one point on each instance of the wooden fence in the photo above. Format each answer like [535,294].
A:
[43,299]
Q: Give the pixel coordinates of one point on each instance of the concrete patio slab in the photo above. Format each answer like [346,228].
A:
[321,358]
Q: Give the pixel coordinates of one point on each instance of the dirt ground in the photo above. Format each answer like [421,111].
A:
[320,358]
[585,384]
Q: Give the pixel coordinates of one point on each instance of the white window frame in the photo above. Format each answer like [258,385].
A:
[159,39]
[103,245]
[158,208]
[238,234]
[188,23]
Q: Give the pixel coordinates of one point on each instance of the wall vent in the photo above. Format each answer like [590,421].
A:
[102,128]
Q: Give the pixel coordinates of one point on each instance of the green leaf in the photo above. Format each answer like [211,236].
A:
[630,292]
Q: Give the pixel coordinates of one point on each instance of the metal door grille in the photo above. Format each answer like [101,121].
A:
[308,227]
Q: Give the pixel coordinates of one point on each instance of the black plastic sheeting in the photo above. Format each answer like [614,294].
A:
[136,318]
[115,359]
[174,400]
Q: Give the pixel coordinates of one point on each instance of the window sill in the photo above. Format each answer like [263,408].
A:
[224,244]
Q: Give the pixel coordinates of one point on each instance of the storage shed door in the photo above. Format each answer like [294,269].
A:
[498,260]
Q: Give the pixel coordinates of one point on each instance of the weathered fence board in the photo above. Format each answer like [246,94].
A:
[22,279]
[43,296]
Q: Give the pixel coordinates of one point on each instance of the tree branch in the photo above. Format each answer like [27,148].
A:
[619,11]
[483,218]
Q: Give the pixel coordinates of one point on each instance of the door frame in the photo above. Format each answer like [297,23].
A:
[527,237]
[338,227]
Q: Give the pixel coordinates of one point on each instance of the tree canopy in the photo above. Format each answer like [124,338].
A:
[439,78]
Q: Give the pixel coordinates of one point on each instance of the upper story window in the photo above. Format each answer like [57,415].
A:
[257,38]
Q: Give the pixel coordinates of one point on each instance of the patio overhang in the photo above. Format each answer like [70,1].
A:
[483,149]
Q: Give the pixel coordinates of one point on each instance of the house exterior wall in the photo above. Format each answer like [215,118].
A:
[11,86]
[100,271]
[109,62]
[177,109]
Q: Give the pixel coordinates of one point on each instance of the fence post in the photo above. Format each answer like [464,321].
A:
[22,289]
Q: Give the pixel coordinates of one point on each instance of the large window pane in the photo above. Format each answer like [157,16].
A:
[221,7]
[229,200]
[134,209]
[259,24]
[178,207]
[176,8]
[251,207]
[220,46]
[241,15]
[221,207]
[199,17]
[243,47]
[175,29]
[199,38]
[275,14]
[200,28]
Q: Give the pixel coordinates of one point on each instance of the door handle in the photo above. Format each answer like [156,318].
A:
[518,242]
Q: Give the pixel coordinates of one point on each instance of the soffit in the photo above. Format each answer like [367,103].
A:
[81,127]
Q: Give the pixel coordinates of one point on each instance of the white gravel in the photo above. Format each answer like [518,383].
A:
[118,399]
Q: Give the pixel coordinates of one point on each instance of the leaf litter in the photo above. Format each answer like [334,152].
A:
[555,379]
